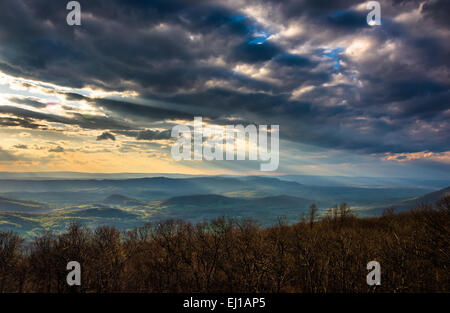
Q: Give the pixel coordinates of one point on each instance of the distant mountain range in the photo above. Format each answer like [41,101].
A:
[409,204]
[30,206]
[368,181]
[82,191]
[315,180]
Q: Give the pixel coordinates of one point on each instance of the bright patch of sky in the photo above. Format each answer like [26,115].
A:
[334,55]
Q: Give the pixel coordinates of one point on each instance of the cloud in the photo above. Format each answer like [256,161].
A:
[22,117]
[20,146]
[106,136]
[140,110]
[19,122]
[146,134]
[28,101]
[384,89]
[6,156]
[56,149]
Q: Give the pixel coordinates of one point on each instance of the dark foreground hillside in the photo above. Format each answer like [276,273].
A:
[324,256]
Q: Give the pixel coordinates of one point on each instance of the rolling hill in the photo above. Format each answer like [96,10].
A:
[409,204]
[14,205]
[117,199]
[265,210]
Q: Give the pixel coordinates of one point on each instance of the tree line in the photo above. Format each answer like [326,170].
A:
[317,255]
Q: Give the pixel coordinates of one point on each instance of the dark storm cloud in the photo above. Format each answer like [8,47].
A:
[182,58]
[437,12]
[74,96]
[294,60]
[21,146]
[22,116]
[127,108]
[106,136]
[28,101]
[19,122]
[153,135]
[233,103]
[348,19]
[146,134]
[252,53]
[150,112]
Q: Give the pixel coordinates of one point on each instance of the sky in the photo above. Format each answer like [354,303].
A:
[349,98]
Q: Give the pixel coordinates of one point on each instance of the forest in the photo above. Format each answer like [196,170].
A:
[319,254]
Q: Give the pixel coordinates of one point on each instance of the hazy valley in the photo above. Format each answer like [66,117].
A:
[31,206]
